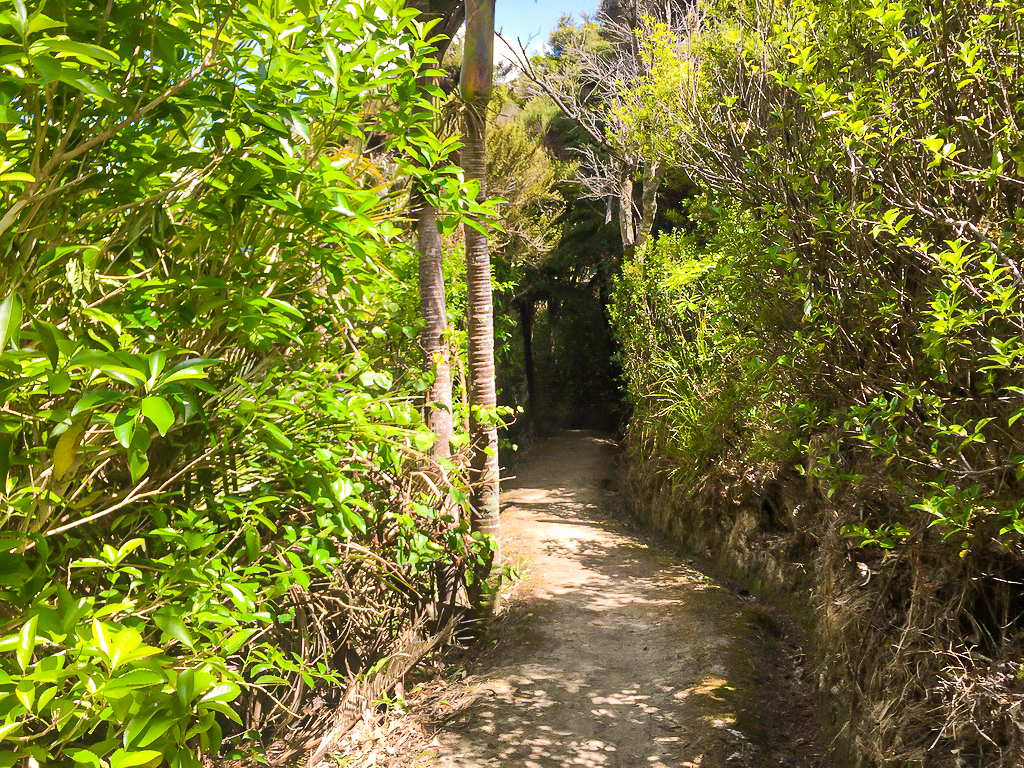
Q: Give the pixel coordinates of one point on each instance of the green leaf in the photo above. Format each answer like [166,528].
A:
[67,448]
[189,369]
[124,427]
[59,383]
[41,22]
[475,225]
[341,489]
[213,737]
[138,458]
[353,519]
[138,465]
[126,759]
[48,335]
[223,692]
[152,722]
[237,640]
[26,642]
[101,636]
[112,366]
[76,49]
[10,318]
[158,411]
[125,647]
[153,730]
[278,436]
[20,18]
[94,88]
[52,71]
[84,757]
[174,627]
[157,361]
[222,708]
[91,400]
[186,687]
[135,678]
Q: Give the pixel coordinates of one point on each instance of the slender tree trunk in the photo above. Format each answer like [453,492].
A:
[653,174]
[433,301]
[526,310]
[434,310]
[626,230]
[477,68]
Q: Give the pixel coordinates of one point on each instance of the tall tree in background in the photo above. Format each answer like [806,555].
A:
[589,83]
[632,12]
[476,84]
[433,301]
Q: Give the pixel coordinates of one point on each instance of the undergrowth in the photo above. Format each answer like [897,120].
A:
[214,501]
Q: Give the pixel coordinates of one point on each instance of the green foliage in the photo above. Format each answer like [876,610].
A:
[886,536]
[566,39]
[206,433]
[697,377]
[648,118]
[877,143]
[525,177]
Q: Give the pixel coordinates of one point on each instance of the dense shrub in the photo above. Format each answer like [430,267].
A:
[209,492]
[685,312]
[876,146]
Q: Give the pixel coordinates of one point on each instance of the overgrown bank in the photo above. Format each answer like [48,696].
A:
[825,364]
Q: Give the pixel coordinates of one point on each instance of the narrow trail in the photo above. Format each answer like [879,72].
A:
[614,652]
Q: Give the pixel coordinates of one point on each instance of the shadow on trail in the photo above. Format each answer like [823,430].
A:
[614,653]
[566,703]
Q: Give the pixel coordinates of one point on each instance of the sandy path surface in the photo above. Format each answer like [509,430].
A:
[614,652]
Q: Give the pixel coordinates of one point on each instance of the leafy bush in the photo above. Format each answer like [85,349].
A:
[210,503]
[876,145]
[685,312]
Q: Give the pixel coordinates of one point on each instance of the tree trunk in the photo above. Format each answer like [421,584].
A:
[626,231]
[653,174]
[433,301]
[434,310]
[635,233]
[477,68]
[526,310]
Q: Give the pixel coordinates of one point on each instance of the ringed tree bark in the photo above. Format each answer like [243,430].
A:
[433,300]
[476,84]
[436,349]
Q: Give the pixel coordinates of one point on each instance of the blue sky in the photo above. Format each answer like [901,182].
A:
[535,18]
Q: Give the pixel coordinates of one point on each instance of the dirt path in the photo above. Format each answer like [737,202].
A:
[615,653]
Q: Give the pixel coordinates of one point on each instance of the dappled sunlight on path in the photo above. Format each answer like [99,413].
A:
[613,653]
